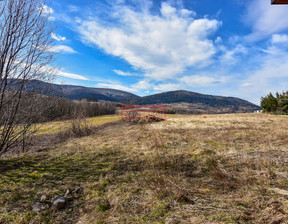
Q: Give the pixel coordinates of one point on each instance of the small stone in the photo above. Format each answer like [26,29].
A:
[38,207]
[59,202]
[43,198]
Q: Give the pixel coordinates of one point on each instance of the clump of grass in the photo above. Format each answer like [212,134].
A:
[166,173]
[104,206]
[218,173]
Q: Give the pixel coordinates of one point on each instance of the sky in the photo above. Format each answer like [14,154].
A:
[233,48]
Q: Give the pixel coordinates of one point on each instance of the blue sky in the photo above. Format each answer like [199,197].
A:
[222,47]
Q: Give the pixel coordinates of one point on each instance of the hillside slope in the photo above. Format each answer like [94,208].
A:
[182,96]
[198,102]
[172,97]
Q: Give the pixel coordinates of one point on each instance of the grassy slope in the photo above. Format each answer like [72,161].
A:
[188,169]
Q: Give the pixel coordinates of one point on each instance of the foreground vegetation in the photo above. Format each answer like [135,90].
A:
[187,169]
[277,104]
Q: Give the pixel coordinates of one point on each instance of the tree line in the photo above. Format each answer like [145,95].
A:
[60,108]
[277,104]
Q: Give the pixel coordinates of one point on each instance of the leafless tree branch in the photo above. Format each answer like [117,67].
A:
[25,40]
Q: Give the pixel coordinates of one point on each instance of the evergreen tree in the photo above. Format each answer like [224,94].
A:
[275,104]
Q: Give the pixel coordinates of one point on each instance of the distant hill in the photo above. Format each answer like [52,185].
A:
[180,100]
[80,92]
[183,96]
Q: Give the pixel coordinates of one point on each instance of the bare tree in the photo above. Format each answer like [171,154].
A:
[26,54]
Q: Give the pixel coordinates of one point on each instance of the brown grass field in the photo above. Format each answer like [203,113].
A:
[188,169]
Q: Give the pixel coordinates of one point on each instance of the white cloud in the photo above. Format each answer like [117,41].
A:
[270,76]
[167,10]
[230,55]
[265,19]
[142,85]
[116,86]
[201,81]
[278,38]
[62,49]
[218,40]
[56,71]
[72,76]
[51,18]
[162,46]
[247,84]
[46,10]
[167,87]
[186,12]
[57,37]
[121,73]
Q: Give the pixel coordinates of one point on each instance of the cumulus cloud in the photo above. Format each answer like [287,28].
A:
[47,11]
[160,45]
[57,37]
[265,19]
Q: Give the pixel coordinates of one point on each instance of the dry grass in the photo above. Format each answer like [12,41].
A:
[188,169]
[57,126]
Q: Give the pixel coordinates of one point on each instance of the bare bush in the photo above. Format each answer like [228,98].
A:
[78,126]
[25,55]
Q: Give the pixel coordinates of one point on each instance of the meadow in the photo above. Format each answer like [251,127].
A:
[228,168]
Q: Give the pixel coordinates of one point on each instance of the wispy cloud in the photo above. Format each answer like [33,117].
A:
[162,46]
[270,75]
[167,87]
[201,80]
[121,73]
[71,75]
[265,19]
[62,49]
[116,86]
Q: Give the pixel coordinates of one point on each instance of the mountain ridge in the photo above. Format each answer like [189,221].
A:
[171,97]
[197,100]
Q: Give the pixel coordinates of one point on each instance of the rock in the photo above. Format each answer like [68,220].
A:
[43,198]
[59,202]
[38,206]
